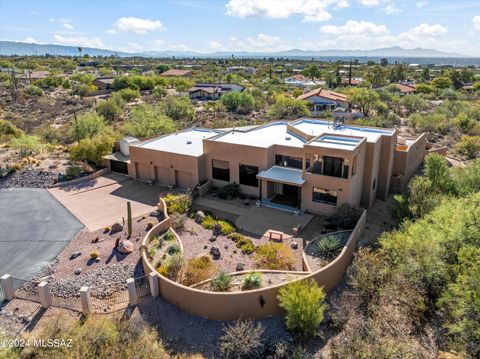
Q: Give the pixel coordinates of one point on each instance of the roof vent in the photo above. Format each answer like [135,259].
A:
[288,138]
[189,142]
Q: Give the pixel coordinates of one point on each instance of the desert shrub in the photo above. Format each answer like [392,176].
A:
[246,245]
[73,172]
[27,145]
[198,269]
[159,91]
[469,146]
[93,149]
[33,90]
[107,229]
[94,254]
[148,121]
[303,301]
[251,281]
[235,236]
[169,236]
[177,221]
[8,130]
[109,110]
[226,227]
[230,190]
[243,339]
[208,222]
[274,256]
[222,282]
[177,203]
[345,218]
[173,249]
[179,108]
[172,266]
[328,247]
[288,107]
[127,94]
[86,126]
[239,102]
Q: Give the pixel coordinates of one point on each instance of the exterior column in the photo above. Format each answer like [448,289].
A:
[132,292]
[153,282]
[6,283]
[86,300]
[260,185]
[44,294]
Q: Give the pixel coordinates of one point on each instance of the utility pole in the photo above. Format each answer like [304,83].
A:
[350,74]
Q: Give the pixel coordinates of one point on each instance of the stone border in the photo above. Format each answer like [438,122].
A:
[255,304]
[75,181]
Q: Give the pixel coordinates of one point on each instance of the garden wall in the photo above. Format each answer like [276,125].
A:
[253,304]
[94,175]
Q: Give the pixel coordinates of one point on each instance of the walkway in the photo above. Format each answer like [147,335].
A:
[253,219]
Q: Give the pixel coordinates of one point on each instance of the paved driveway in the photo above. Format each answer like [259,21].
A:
[103,201]
[34,228]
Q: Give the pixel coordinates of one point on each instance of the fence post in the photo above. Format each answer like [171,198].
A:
[132,292]
[44,294]
[7,287]
[86,300]
[153,283]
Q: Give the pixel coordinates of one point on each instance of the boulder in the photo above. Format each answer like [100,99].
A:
[294,245]
[213,238]
[199,216]
[215,252]
[125,246]
[117,227]
[217,229]
[78,271]
[240,266]
[75,254]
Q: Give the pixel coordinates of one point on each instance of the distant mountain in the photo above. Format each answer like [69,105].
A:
[21,48]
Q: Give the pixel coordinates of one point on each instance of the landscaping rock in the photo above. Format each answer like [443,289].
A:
[217,229]
[78,271]
[125,246]
[117,227]
[215,252]
[75,255]
[294,245]
[199,216]
[155,213]
[213,238]
[240,267]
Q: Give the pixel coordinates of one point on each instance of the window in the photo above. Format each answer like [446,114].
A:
[248,175]
[287,161]
[220,170]
[324,196]
[354,166]
[332,166]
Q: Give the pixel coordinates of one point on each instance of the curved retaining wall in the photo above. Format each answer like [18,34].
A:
[99,173]
[255,304]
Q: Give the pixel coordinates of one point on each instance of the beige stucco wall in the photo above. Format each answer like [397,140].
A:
[386,165]
[371,173]
[246,304]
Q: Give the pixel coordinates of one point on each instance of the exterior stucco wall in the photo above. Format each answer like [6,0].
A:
[371,173]
[386,165]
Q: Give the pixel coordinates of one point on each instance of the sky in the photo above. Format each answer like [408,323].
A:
[245,25]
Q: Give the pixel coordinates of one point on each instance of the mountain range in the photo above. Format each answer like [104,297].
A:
[22,48]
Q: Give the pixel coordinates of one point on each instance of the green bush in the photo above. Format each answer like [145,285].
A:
[109,110]
[93,149]
[148,121]
[288,107]
[172,267]
[179,108]
[27,145]
[169,236]
[173,249]
[86,126]
[221,283]
[303,302]
[242,340]
[127,94]
[346,217]
[9,130]
[73,172]
[275,256]
[239,102]
[226,227]
[198,269]
[33,90]
[246,245]
[328,247]
[179,204]
[230,190]
[235,236]
[252,280]
[208,222]
[469,146]
[94,254]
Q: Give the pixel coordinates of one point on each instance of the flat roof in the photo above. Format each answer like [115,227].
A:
[274,133]
[188,142]
[335,141]
[283,174]
[317,127]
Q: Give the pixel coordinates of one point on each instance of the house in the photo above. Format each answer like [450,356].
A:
[104,83]
[29,75]
[211,92]
[249,70]
[177,73]
[406,88]
[354,81]
[324,100]
[302,81]
[304,165]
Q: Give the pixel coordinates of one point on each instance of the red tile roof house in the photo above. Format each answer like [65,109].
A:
[177,73]
[323,100]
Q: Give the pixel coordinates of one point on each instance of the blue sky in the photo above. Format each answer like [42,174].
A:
[245,25]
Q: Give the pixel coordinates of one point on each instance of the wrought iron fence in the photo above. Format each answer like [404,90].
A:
[72,303]
[142,286]
[116,301]
[26,290]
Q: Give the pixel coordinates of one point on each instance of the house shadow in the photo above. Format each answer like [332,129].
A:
[79,186]
[131,190]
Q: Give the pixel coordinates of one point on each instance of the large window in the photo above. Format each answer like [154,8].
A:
[220,170]
[332,166]
[248,175]
[324,196]
[287,161]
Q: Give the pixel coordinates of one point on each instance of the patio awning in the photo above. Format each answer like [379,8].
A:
[281,174]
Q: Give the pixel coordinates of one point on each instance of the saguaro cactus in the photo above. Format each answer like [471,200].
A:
[129,218]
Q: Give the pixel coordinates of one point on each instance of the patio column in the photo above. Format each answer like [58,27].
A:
[299,198]
[260,185]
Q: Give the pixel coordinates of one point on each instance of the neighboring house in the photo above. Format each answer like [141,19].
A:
[324,100]
[307,165]
[302,81]
[406,88]
[104,83]
[241,69]
[177,73]
[211,92]
[29,76]
[355,81]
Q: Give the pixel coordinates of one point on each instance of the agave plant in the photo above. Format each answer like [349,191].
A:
[327,247]
[222,282]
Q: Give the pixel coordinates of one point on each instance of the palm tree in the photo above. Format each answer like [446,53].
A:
[80,51]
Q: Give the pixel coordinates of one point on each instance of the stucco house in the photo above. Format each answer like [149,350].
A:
[303,165]
[211,92]
[324,100]
[177,73]
[104,83]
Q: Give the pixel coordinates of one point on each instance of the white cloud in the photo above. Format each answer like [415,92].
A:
[137,25]
[353,27]
[131,47]
[216,46]
[259,42]
[311,10]
[68,26]
[476,22]
[111,31]
[79,41]
[30,40]
[391,9]
[369,2]
[421,4]
[428,30]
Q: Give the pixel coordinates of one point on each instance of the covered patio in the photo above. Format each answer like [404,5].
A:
[281,187]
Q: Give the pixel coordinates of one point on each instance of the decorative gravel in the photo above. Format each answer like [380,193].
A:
[29,177]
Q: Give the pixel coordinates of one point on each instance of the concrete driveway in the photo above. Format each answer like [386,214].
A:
[34,229]
[102,201]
